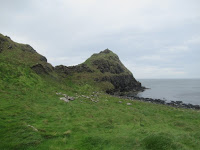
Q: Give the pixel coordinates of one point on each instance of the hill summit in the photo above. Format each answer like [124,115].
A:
[106,69]
[103,70]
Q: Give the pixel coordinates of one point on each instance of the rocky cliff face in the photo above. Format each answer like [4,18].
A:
[112,70]
[106,67]
[122,83]
[23,54]
[67,70]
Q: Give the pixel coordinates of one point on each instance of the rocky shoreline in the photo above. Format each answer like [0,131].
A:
[177,104]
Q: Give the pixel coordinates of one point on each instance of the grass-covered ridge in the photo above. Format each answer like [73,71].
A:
[33,117]
[107,59]
[106,71]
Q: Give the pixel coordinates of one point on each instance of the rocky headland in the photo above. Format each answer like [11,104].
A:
[104,69]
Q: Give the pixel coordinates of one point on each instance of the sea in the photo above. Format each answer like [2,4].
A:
[186,90]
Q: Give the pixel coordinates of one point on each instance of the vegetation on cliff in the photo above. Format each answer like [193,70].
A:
[32,116]
[106,70]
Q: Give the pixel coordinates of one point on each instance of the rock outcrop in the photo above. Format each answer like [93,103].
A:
[24,54]
[39,69]
[67,70]
[105,67]
[112,70]
[122,83]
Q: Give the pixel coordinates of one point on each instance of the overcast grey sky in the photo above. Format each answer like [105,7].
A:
[153,38]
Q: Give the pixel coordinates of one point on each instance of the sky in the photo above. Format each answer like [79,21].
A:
[153,38]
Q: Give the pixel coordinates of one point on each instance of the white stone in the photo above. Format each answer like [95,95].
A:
[64,99]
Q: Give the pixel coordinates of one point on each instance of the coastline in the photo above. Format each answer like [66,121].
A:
[177,104]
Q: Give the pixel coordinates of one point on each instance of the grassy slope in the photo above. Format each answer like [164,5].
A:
[87,77]
[28,99]
[110,56]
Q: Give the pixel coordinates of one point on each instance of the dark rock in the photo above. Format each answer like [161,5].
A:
[179,102]
[10,47]
[107,66]
[42,58]
[28,48]
[2,39]
[8,37]
[196,106]
[189,106]
[39,69]
[106,51]
[121,83]
[49,67]
[72,69]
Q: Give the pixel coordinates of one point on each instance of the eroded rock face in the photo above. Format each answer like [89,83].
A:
[113,71]
[42,58]
[72,69]
[108,66]
[43,68]
[39,69]
[122,83]
[28,48]
[105,67]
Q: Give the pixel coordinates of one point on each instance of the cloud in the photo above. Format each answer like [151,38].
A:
[194,40]
[148,71]
[160,34]
[177,49]
[151,58]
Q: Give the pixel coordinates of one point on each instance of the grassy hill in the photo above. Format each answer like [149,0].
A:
[32,116]
[103,70]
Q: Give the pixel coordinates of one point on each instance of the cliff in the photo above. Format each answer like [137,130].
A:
[105,67]
[103,70]
[23,55]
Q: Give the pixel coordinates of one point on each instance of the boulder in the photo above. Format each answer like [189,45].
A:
[42,58]
[39,69]
[10,47]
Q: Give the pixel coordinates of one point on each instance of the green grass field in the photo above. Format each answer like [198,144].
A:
[83,124]
[32,117]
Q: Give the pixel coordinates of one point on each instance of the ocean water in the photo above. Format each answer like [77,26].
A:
[186,90]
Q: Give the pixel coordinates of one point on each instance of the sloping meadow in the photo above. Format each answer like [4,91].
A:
[32,115]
